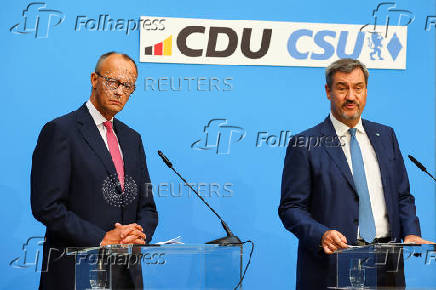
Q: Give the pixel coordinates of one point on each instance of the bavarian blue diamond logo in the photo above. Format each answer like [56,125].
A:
[394,46]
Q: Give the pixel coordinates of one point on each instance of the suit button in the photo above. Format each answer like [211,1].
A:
[356,221]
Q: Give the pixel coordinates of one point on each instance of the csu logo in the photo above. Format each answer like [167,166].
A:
[220,136]
[38,20]
[324,44]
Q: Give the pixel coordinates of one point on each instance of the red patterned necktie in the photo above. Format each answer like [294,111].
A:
[115,152]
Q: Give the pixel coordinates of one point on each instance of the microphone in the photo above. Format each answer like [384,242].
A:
[165,159]
[230,238]
[420,166]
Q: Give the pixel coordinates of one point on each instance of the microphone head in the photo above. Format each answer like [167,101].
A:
[417,163]
[412,158]
[164,159]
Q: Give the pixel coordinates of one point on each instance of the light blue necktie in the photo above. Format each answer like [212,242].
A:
[366,218]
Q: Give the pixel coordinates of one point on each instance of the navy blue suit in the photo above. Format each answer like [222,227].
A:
[318,194]
[69,166]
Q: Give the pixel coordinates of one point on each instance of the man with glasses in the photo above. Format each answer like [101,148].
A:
[89,178]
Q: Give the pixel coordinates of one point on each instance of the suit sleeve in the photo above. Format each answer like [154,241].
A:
[50,183]
[147,215]
[409,222]
[294,209]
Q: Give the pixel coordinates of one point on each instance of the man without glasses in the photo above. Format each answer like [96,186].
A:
[335,196]
[89,177]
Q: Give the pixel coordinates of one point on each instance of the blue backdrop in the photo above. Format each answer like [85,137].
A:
[43,78]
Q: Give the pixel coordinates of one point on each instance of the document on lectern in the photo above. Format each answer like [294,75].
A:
[175,241]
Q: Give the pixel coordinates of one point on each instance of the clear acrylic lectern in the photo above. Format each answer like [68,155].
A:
[366,267]
[202,266]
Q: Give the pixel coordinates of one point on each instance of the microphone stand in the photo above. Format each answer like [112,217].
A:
[230,239]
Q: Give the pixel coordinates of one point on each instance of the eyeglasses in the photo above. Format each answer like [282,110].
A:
[113,84]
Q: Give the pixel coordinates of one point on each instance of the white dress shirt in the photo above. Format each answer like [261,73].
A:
[99,120]
[372,172]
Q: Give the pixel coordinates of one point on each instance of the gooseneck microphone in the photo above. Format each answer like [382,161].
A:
[420,166]
[230,238]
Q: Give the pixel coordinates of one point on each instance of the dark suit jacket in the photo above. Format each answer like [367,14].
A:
[318,194]
[69,167]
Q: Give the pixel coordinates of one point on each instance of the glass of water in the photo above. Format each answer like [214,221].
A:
[98,279]
[357,273]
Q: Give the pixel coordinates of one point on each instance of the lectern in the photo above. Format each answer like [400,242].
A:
[198,266]
[364,267]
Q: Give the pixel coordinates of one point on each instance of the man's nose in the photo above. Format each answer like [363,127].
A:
[351,94]
[118,92]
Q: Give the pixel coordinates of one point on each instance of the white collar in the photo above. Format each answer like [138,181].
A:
[342,129]
[95,114]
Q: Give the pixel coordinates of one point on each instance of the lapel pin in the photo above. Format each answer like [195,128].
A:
[377,134]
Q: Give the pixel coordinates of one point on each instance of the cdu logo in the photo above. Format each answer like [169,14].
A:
[38,20]
[220,136]
[164,47]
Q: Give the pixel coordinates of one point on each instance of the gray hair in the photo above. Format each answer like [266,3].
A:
[345,65]
[104,56]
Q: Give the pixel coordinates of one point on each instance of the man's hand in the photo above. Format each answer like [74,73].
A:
[412,239]
[333,240]
[124,234]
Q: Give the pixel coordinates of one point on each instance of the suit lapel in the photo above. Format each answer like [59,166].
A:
[377,142]
[336,153]
[90,133]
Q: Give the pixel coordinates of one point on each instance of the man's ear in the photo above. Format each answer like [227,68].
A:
[327,91]
[94,78]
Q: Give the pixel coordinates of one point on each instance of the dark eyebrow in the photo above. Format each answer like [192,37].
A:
[345,84]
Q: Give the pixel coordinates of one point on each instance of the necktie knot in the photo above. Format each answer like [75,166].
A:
[352,132]
[108,125]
